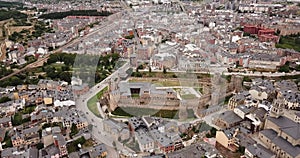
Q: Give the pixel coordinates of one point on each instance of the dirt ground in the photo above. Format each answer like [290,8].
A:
[19,28]
[227,153]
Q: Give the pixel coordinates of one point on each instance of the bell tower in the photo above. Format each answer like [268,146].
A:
[277,108]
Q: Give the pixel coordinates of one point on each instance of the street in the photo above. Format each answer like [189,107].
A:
[97,122]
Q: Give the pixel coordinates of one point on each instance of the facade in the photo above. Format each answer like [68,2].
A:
[146,143]
[257,150]
[132,94]
[61,144]
[116,129]
[228,139]
[237,99]
[281,134]
[5,122]
[17,140]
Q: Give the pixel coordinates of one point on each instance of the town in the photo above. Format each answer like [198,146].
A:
[150,79]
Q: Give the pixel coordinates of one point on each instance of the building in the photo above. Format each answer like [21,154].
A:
[80,89]
[116,129]
[31,135]
[196,150]
[146,143]
[227,119]
[257,150]
[237,99]
[164,143]
[242,111]
[17,139]
[98,151]
[281,134]
[262,90]
[61,144]
[142,93]
[228,138]
[5,122]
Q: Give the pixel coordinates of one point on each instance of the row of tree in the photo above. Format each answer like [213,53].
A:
[7,14]
[61,15]
[93,68]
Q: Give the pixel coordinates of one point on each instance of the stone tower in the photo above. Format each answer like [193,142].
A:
[277,108]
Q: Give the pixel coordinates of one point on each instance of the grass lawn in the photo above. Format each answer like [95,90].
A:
[164,83]
[135,96]
[188,96]
[88,143]
[92,103]
[133,111]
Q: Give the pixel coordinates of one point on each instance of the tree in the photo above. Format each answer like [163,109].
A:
[277,32]
[285,68]
[4,99]
[17,119]
[40,146]
[7,141]
[164,70]
[298,67]
[74,130]
[241,149]
[114,144]
[65,68]
[65,76]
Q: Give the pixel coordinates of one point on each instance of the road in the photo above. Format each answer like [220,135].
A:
[97,122]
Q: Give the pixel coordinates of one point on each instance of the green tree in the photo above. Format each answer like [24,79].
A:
[164,70]
[74,130]
[285,68]
[4,99]
[7,141]
[40,146]
[65,76]
[17,119]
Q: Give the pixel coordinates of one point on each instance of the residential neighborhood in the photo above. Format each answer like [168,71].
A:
[150,79]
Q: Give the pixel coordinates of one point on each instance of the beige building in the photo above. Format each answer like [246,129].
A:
[17,140]
[227,138]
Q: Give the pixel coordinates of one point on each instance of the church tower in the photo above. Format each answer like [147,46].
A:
[277,108]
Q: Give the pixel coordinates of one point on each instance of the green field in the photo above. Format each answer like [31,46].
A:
[163,83]
[133,111]
[92,103]
[188,96]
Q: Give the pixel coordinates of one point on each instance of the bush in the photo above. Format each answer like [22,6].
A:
[74,130]
[4,99]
